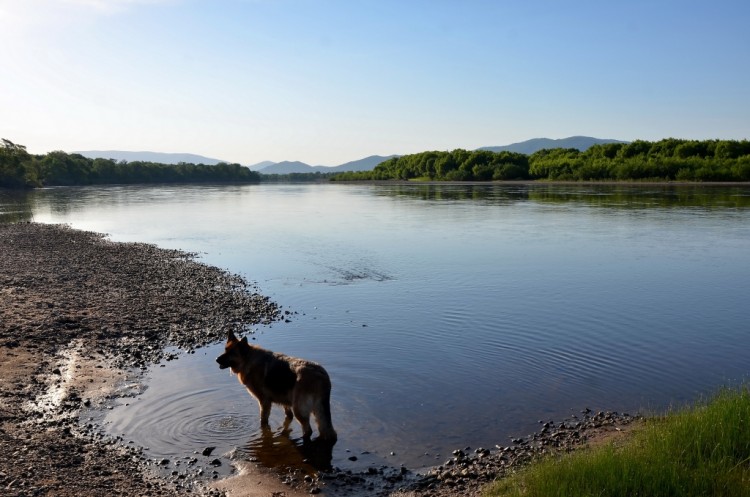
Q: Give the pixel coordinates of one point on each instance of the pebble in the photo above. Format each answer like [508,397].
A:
[466,473]
[124,303]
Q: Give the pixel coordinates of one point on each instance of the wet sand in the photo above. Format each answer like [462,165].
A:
[81,316]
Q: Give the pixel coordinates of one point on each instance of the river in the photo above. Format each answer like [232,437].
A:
[447,315]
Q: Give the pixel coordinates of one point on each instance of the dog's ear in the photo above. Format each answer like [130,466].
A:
[231,336]
[244,340]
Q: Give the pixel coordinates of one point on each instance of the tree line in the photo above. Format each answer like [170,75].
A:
[314,177]
[20,169]
[670,159]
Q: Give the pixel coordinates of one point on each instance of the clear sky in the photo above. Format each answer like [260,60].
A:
[330,81]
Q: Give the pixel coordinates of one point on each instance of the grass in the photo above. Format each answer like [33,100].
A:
[700,451]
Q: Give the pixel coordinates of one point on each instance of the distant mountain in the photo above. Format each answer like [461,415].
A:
[287,167]
[366,164]
[265,167]
[528,147]
[261,165]
[161,158]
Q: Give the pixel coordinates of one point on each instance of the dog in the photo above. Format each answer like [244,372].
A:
[301,387]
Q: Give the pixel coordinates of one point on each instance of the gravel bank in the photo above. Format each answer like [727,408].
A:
[468,470]
[77,313]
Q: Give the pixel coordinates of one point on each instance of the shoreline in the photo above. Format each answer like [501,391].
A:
[81,315]
[545,182]
[525,182]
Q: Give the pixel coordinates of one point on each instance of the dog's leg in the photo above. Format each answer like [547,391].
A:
[289,416]
[303,416]
[306,428]
[322,414]
[265,411]
[285,428]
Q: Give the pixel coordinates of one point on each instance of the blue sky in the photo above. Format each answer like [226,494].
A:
[329,81]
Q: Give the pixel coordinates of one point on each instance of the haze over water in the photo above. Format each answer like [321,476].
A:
[447,316]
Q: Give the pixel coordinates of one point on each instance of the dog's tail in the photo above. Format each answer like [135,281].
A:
[325,425]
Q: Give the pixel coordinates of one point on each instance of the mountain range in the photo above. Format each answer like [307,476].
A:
[528,147]
[158,157]
[286,167]
[368,163]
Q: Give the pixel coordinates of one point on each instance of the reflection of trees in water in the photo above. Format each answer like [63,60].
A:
[486,193]
[644,196]
[20,205]
[608,196]
[60,201]
[16,206]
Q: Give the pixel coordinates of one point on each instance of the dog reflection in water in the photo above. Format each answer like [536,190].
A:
[277,450]
[301,387]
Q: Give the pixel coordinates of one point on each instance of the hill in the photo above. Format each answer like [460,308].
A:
[265,167]
[261,165]
[528,147]
[287,167]
[158,157]
[366,164]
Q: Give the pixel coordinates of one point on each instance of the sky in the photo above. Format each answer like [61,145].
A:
[330,81]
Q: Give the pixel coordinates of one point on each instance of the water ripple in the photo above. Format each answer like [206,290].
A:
[172,422]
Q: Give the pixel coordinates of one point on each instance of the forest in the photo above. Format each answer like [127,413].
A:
[670,159]
[20,169]
[316,177]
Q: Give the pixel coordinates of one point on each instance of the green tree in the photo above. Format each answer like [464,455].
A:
[634,149]
[692,148]
[16,169]
[558,163]
[444,165]
[664,148]
[731,149]
[62,169]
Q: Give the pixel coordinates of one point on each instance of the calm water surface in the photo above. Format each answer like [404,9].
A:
[447,316]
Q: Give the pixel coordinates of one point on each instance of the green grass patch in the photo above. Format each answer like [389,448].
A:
[700,451]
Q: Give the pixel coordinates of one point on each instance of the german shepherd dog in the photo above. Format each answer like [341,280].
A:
[301,387]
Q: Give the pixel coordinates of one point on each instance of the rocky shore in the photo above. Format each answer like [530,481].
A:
[467,471]
[77,312]
[80,314]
